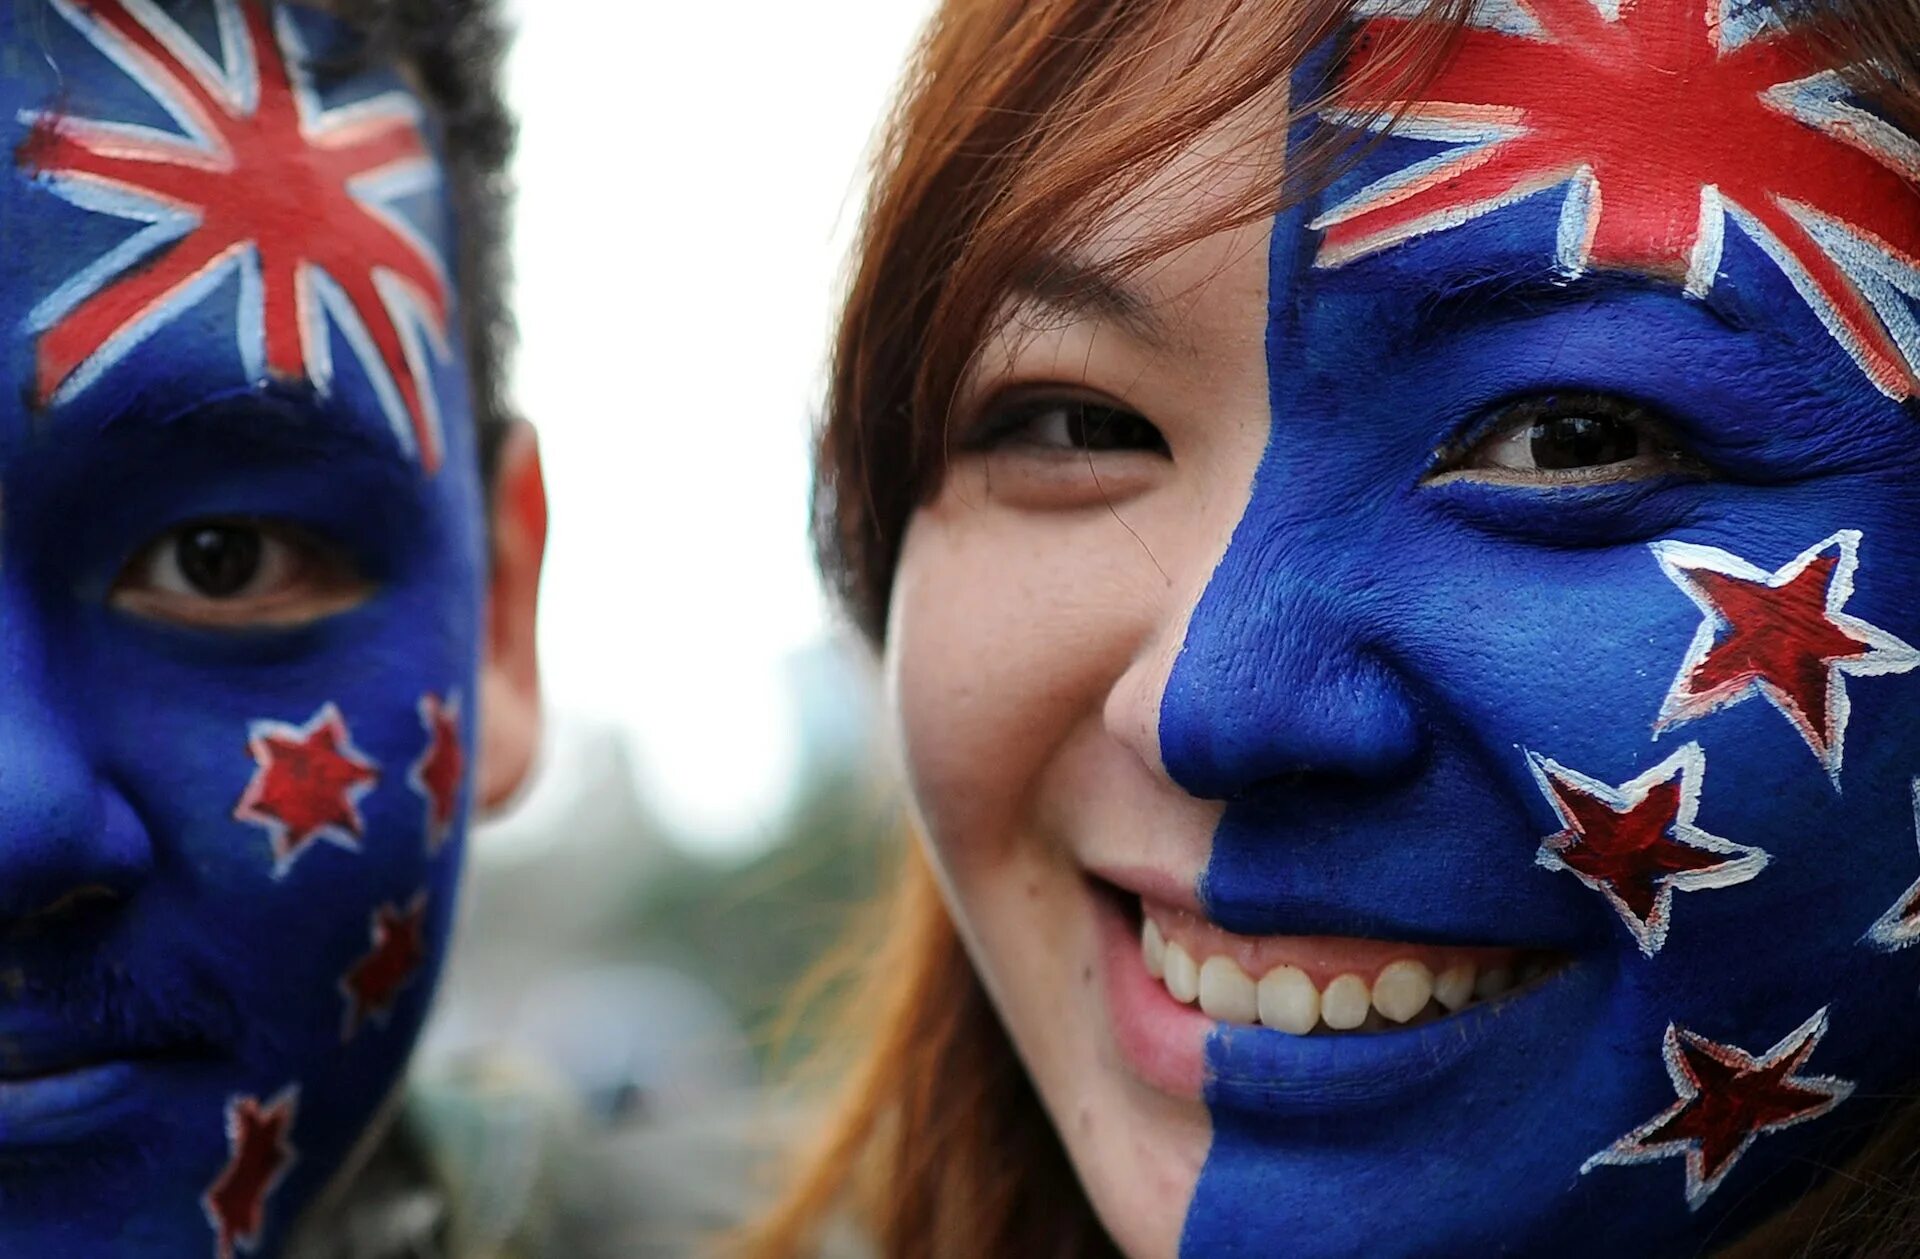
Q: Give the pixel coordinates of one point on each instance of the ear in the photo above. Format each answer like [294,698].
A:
[510,672]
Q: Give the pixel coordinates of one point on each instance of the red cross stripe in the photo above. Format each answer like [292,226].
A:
[1662,120]
[261,181]
[1637,844]
[372,984]
[306,786]
[1728,1099]
[261,1156]
[1782,635]
[436,776]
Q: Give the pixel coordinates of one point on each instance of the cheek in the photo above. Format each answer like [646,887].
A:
[1006,637]
[317,793]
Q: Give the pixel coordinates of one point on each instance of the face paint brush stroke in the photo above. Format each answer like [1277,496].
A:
[1380,647]
[242,565]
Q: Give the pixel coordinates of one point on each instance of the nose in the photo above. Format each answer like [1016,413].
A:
[1284,679]
[66,837]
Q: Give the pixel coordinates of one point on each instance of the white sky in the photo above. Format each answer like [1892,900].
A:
[688,176]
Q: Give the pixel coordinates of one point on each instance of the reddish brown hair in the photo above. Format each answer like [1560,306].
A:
[1022,122]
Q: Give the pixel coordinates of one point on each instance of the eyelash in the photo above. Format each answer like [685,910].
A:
[1008,420]
[1514,417]
[1089,424]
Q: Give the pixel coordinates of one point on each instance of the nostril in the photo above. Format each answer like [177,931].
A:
[75,905]
[1247,715]
[1287,782]
[1349,782]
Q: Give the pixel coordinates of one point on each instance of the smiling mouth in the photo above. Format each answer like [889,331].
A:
[1322,985]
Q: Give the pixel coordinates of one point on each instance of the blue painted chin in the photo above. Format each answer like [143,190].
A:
[229,848]
[1440,708]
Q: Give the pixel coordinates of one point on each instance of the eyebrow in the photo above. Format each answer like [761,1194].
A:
[1082,291]
[278,421]
[1503,293]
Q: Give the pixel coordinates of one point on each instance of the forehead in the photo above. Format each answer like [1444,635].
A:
[1566,150]
[205,199]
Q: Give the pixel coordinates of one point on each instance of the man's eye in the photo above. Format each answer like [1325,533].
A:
[219,561]
[1077,424]
[1570,440]
[237,574]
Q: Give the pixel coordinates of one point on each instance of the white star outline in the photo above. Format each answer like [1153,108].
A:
[416,905]
[235,82]
[248,809]
[1899,927]
[1476,131]
[1889,655]
[1689,765]
[1886,279]
[287,1098]
[1797,1045]
[430,707]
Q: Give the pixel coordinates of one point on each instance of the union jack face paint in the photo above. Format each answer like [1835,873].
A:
[1656,126]
[234,382]
[260,182]
[1657,725]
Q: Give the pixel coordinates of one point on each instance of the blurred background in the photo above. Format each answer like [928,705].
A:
[711,799]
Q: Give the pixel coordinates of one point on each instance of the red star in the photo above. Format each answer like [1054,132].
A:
[437,774]
[372,984]
[1900,925]
[1662,120]
[1637,844]
[1728,1099]
[259,178]
[306,786]
[236,1203]
[1782,635]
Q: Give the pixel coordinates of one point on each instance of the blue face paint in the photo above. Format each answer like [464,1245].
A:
[1659,727]
[228,852]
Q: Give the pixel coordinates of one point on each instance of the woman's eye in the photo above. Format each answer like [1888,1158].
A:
[1076,424]
[237,574]
[1570,440]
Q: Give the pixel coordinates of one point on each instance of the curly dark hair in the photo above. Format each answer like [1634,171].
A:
[453,51]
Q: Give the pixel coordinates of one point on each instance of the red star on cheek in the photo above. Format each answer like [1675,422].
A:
[261,1156]
[1777,635]
[1782,635]
[1637,844]
[438,773]
[374,983]
[306,785]
[1727,1100]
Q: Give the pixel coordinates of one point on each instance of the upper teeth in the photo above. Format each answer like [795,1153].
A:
[1287,999]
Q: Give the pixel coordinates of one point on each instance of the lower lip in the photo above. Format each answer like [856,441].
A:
[69,1105]
[1165,1043]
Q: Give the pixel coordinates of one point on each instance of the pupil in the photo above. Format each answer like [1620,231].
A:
[1108,428]
[1582,441]
[219,560]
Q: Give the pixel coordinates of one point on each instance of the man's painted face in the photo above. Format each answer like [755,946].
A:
[241,566]
[1506,741]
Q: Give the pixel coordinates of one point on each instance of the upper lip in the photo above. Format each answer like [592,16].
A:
[1279,912]
[1151,884]
[37,1044]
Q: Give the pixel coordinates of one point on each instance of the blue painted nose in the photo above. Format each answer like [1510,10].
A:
[66,836]
[1278,686]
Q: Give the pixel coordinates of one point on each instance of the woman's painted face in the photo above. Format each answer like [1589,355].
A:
[241,567]
[1415,705]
